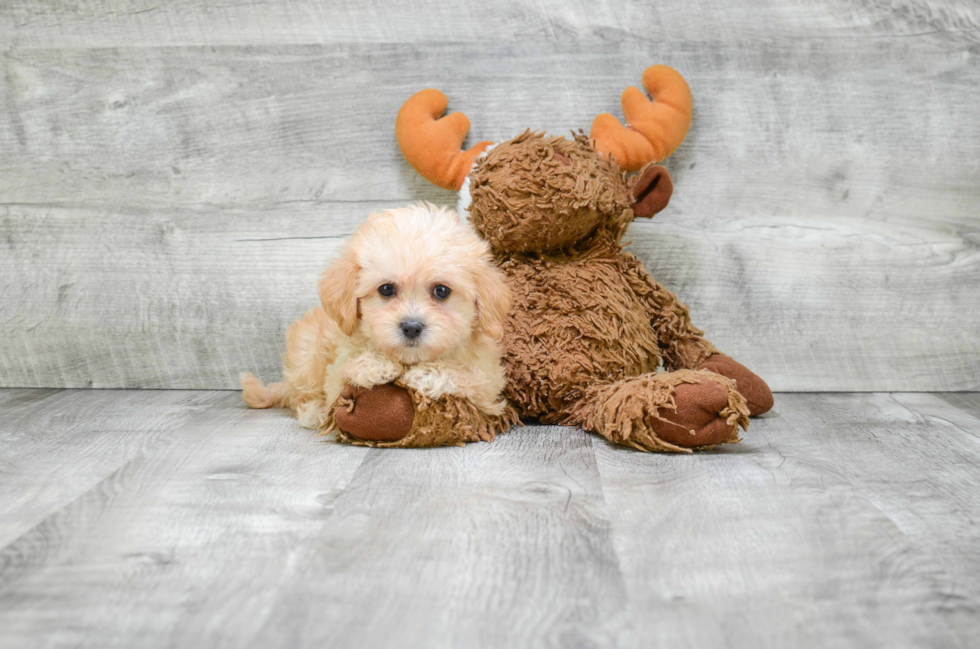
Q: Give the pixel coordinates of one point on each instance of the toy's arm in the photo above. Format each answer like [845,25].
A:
[682,345]
[396,415]
[383,403]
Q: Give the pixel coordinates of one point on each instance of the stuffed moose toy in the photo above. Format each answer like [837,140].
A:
[589,327]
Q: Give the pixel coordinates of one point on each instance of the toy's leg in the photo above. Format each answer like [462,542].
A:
[669,411]
[757,394]
[390,415]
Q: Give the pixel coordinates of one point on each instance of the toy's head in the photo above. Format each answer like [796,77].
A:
[536,193]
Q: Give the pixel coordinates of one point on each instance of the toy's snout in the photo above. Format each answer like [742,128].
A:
[652,189]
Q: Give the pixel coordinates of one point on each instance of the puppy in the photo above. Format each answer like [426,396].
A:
[413,296]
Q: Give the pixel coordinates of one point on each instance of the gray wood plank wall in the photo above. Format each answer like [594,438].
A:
[174,176]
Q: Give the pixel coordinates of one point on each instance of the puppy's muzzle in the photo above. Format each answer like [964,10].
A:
[412,329]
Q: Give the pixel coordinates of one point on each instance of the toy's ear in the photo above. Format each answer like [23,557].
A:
[338,285]
[492,301]
[432,143]
[651,189]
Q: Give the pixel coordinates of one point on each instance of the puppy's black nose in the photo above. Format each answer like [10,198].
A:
[412,329]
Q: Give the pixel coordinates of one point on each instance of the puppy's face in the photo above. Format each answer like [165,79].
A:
[417,309]
[418,283]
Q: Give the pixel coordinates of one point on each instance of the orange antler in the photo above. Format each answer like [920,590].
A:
[654,128]
[433,145]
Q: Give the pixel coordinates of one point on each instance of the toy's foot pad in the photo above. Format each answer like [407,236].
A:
[698,419]
[384,413]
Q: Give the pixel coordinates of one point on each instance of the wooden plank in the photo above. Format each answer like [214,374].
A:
[967,401]
[190,537]
[12,400]
[248,530]
[107,23]
[60,444]
[158,300]
[498,545]
[917,463]
[841,520]
[203,127]
[806,243]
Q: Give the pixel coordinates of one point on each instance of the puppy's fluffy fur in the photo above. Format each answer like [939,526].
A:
[356,336]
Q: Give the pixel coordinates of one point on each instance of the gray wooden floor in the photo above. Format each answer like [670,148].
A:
[181,519]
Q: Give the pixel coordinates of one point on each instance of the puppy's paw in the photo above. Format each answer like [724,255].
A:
[371,368]
[383,413]
[435,380]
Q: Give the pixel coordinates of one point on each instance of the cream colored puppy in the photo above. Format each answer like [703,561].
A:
[414,296]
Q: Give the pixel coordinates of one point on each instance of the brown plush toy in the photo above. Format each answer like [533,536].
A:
[589,327]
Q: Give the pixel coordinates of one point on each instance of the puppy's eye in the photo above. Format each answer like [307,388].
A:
[440,291]
[386,290]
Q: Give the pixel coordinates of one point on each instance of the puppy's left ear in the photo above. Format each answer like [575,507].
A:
[492,301]
[338,285]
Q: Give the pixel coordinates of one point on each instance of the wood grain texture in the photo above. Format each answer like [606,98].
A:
[59,445]
[205,516]
[967,401]
[108,23]
[184,519]
[498,545]
[165,210]
[841,520]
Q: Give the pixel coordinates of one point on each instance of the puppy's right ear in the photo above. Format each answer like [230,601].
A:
[492,301]
[338,290]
